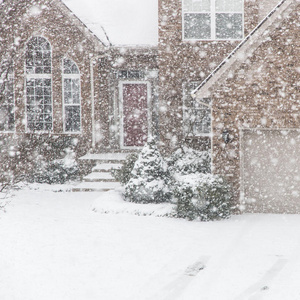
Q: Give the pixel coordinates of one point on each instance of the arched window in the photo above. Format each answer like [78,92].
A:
[38,85]
[71,96]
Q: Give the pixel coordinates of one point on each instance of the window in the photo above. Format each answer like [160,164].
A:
[196,114]
[130,74]
[71,95]
[7,105]
[38,85]
[213,19]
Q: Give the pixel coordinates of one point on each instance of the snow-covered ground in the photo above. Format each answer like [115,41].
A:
[68,246]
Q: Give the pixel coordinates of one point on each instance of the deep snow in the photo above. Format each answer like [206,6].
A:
[63,246]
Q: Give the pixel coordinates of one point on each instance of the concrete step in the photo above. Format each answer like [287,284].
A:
[101,167]
[96,186]
[99,177]
[105,157]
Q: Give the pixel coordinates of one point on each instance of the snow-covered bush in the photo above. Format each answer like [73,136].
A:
[123,174]
[189,161]
[36,158]
[203,196]
[57,171]
[149,181]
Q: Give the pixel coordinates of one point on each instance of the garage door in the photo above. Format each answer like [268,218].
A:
[271,170]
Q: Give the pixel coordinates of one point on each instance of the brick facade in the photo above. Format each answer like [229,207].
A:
[259,92]
[238,97]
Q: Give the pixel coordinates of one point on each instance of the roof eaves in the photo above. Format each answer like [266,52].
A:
[65,7]
[239,46]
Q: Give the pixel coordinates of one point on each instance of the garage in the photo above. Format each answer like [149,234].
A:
[270,170]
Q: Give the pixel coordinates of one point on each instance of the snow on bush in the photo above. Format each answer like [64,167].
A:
[123,174]
[57,171]
[149,177]
[203,196]
[188,161]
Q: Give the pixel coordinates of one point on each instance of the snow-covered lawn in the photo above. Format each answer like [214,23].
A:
[69,246]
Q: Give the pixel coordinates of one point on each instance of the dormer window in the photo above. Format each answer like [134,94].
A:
[212,19]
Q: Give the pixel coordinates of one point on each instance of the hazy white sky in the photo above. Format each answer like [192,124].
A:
[127,22]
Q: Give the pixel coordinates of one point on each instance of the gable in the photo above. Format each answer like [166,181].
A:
[264,33]
[47,17]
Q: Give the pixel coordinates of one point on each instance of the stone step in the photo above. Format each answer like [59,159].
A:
[99,177]
[101,167]
[96,186]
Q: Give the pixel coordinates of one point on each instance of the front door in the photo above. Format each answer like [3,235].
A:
[134,127]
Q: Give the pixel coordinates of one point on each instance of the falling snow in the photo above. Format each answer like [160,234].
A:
[85,83]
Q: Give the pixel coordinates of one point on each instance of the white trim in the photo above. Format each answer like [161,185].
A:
[93,101]
[229,60]
[212,13]
[71,76]
[121,83]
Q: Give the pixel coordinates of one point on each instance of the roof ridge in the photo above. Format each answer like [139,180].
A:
[61,2]
[193,93]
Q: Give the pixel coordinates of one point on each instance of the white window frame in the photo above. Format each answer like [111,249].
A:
[29,76]
[121,83]
[213,13]
[70,76]
[187,108]
[10,78]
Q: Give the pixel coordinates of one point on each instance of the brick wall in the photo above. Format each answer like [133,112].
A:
[262,92]
[68,38]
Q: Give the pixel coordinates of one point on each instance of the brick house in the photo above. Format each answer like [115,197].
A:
[255,111]
[110,99]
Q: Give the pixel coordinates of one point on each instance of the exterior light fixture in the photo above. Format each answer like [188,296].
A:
[226,136]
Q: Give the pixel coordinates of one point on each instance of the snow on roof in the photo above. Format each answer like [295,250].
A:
[126,22]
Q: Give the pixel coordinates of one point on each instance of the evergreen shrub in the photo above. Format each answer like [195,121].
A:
[203,196]
[123,174]
[57,171]
[189,161]
[149,182]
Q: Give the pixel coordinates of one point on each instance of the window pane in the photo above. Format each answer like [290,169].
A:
[72,118]
[197,26]
[196,116]
[75,91]
[229,26]
[229,5]
[196,5]
[38,56]
[39,104]
[68,91]
[70,67]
